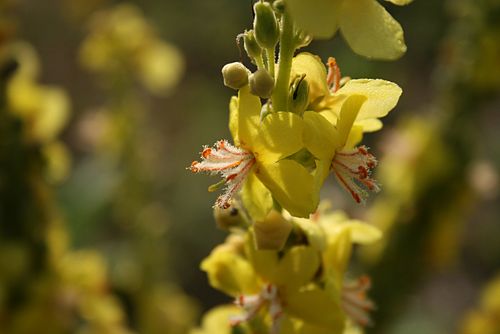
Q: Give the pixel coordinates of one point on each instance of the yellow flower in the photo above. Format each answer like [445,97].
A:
[288,287]
[343,114]
[333,234]
[259,161]
[367,27]
[263,281]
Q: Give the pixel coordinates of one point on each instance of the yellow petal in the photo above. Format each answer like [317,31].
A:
[355,136]
[370,125]
[230,273]
[317,17]
[244,118]
[362,233]
[313,231]
[339,250]
[280,135]
[315,71]
[382,96]
[297,267]
[291,185]
[371,31]
[400,2]
[256,198]
[348,114]
[216,320]
[320,136]
[264,262]
[316,307]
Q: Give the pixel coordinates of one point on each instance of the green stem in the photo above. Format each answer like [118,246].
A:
[287,48]
[259,62]
[270,60]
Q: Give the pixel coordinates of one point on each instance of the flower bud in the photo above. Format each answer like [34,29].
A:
[252,48]
[261,83]
[266,26]
[227,219]
[298,98]
[235,75]
[272,232]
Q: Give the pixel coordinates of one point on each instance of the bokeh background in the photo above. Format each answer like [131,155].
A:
[103,228]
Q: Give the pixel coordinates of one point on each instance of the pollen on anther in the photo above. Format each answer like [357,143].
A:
[193,167]
[206,152]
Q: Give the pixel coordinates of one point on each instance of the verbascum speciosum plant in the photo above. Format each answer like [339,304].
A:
[294,122]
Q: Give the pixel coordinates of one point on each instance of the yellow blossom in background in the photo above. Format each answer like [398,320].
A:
[486,318]
[365,24]
[44,108]
[121,40]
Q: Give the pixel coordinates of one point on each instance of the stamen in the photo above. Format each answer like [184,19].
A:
[355,303]
[353,168]
[231,162]
[268,296]
[333,77]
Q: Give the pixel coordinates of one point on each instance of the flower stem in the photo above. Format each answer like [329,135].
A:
[287,48]
[270,60]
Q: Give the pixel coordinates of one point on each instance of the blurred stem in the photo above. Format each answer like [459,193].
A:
[287,49]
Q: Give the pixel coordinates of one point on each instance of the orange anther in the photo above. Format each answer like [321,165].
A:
[206,152]
[333,76]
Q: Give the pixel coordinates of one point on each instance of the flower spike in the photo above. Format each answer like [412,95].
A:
[231,162]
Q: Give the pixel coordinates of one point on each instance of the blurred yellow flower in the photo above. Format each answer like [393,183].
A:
[45,109]
[485,319]
[121,40]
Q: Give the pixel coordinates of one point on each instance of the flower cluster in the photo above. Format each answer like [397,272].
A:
[286,156]
[294,121]
[288,287]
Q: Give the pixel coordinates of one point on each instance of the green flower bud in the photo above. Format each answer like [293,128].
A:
[272,232]
[261,84]
[235,75]
[227,219]
[252,48]
[298,98]
[266,26]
